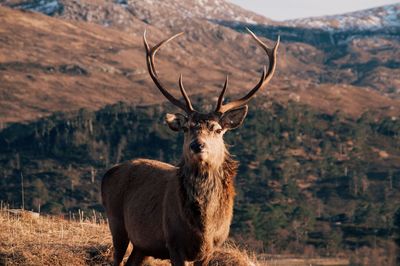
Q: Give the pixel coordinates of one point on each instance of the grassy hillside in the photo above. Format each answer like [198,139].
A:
[308,182]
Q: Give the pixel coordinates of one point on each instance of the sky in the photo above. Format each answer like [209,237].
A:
[290,9]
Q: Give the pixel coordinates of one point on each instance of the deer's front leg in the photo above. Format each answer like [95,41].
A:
[203,262]
[177,258]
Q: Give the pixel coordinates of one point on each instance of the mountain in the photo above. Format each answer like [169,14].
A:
[159,13]
[48,65]
[359,48]
[371,19]
[105,64]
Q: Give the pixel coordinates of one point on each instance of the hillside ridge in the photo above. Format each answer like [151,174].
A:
[103,65]
[368,19]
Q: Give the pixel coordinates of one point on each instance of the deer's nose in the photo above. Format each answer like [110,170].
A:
[196,146]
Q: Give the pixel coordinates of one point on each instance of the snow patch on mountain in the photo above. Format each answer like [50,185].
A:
[370,19]
[158,13]
[48,7]
[203,9]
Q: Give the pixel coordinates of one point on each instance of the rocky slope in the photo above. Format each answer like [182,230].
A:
[48,65]
[359,48]
[105,62]
[369,19]
[158,13]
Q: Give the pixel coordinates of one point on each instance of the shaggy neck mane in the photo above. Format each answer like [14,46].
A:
[206,190]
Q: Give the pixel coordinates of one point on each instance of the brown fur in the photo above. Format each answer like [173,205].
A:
[181,213]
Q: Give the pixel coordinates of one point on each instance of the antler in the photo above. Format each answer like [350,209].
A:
[150,53]
[221,96]
[265,78]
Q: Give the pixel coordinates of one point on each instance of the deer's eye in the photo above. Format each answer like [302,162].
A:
[195,125]
[218,131]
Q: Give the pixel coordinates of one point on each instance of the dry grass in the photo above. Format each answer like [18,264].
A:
[29,239]
[293,261]
[232,256]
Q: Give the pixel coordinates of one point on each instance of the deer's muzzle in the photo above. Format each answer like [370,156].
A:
[196,146]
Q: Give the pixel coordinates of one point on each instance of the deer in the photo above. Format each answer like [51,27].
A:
[180,212]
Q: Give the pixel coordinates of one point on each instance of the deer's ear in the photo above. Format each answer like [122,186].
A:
[233,118]
[175,121]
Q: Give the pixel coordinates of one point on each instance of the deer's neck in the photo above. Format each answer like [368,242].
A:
[207,192]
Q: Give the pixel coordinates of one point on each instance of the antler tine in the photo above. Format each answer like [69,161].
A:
[184,94]
[150,53]
[265,77]
[221,96]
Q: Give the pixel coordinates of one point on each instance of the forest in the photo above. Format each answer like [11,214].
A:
[308,182]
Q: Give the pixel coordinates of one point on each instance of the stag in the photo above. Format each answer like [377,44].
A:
[180,212]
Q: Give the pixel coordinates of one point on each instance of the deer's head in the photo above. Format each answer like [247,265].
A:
[204,132]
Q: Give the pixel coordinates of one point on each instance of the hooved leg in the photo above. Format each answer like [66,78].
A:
[204,262]
[136,258]
[120,239]
[176,258]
